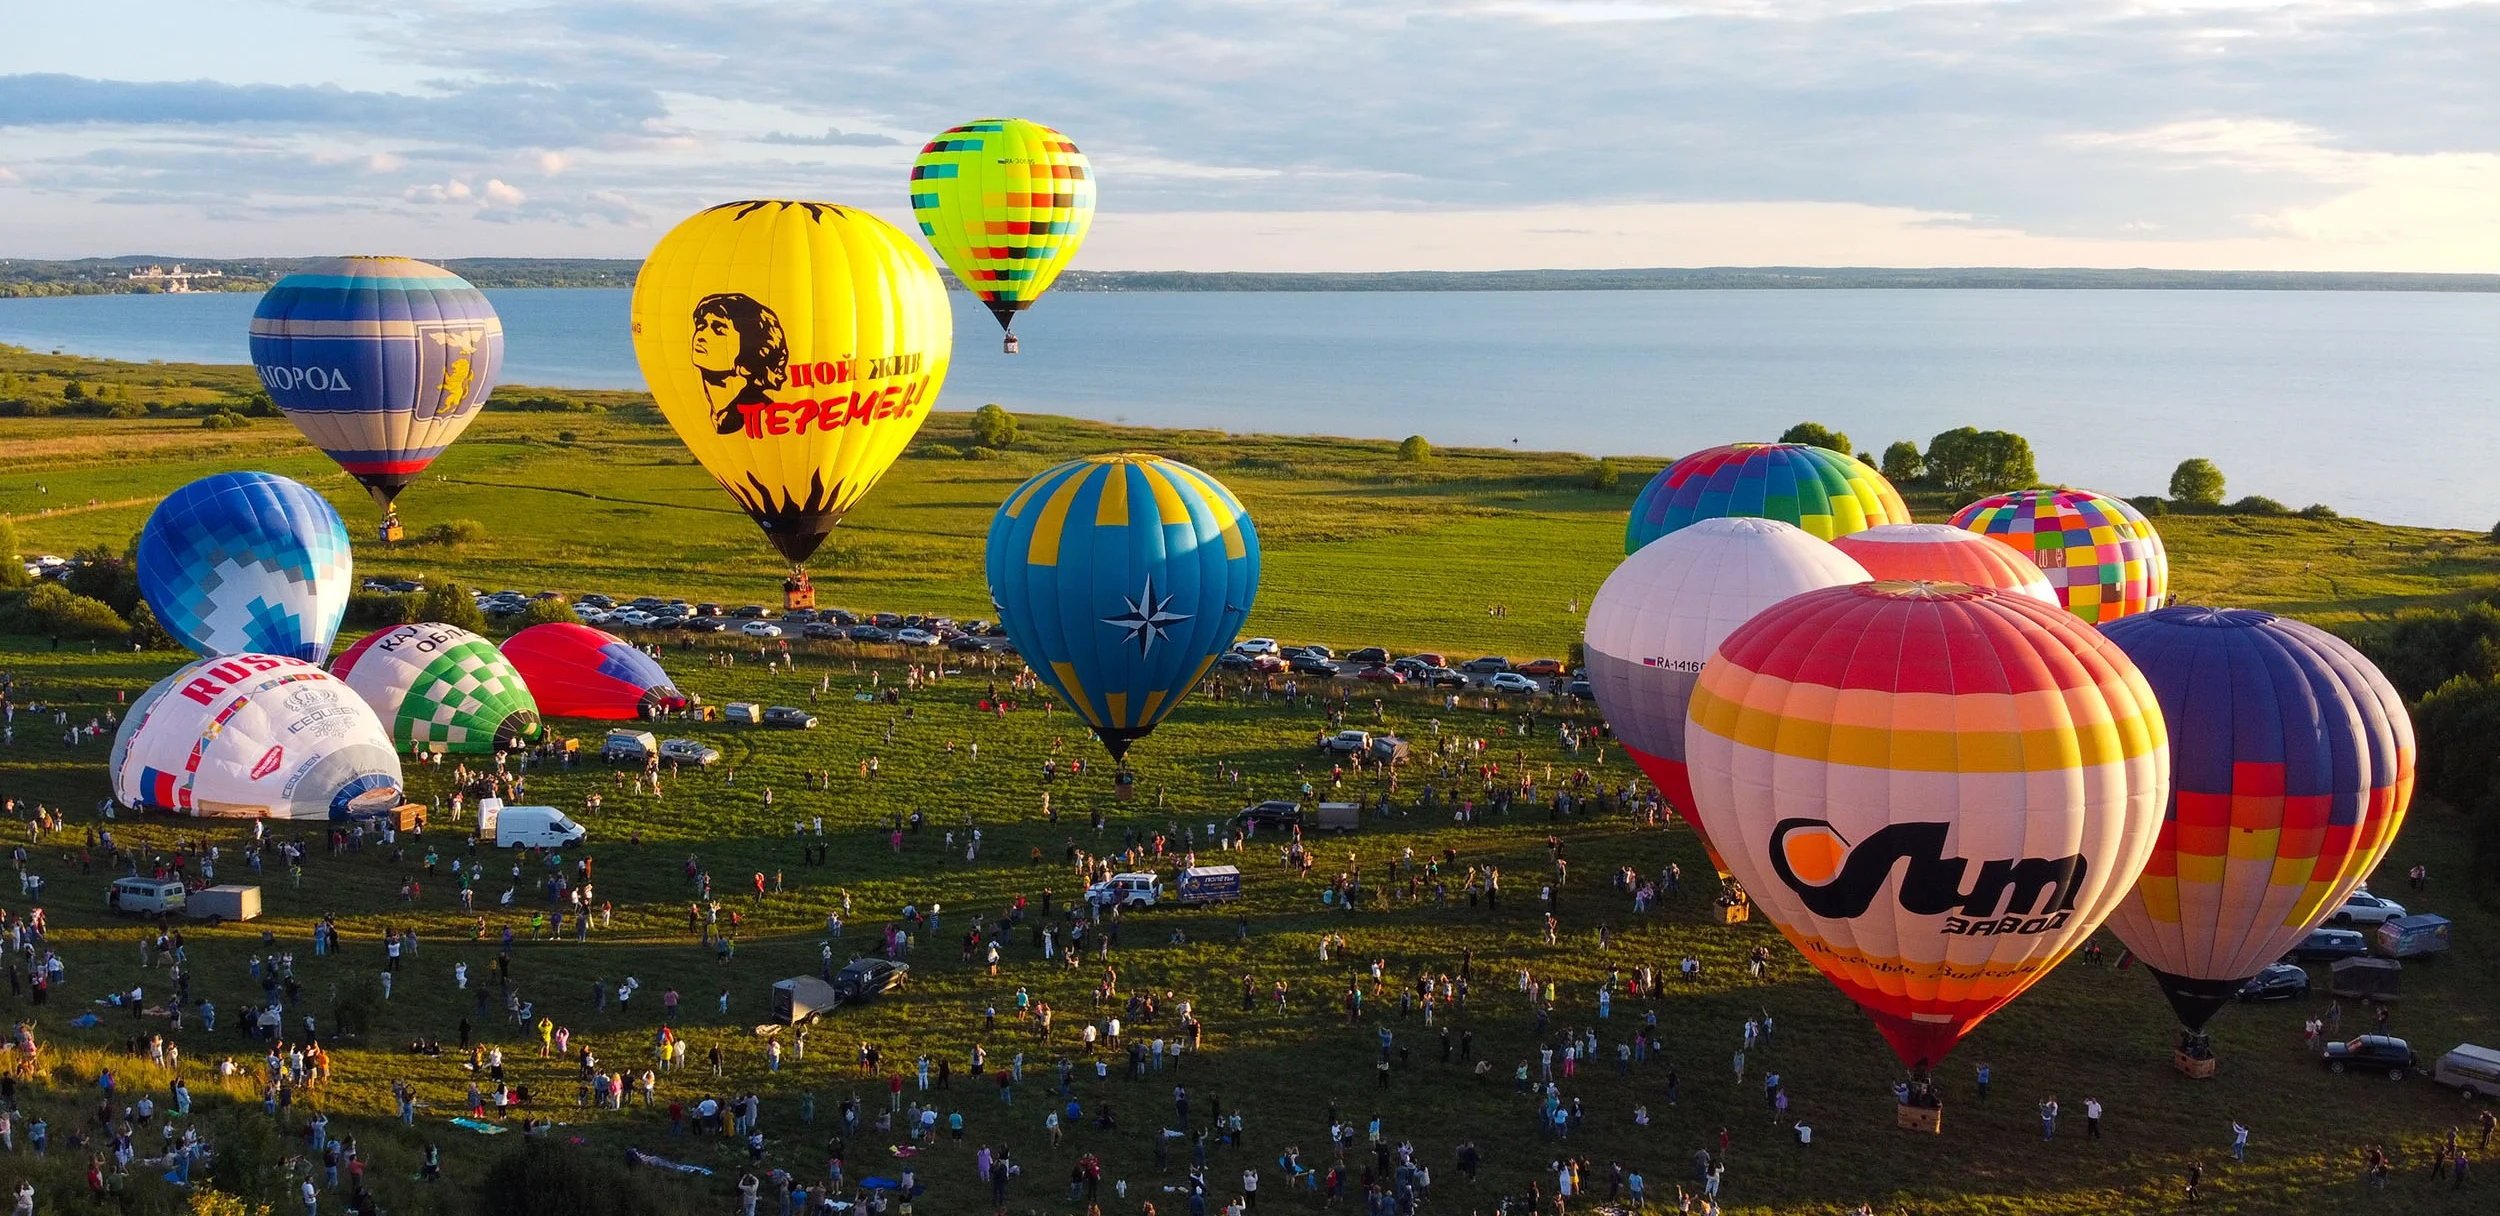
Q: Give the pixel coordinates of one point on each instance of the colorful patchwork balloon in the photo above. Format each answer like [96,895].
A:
[440,688]
[381,362]
[2291,763]
[2101,556]
[1827,493]
[1120,579]
[1935,791]
[575,671]
[254,736]
[249,563]
[1942,553]
[1666,608]
[1005,202]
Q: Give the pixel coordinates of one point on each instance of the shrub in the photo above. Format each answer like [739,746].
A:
[224,420]
[939,451]
[1416,449]
[1815,434]
[73,391]
[449,604]
[1602,474]
[1902,462]
[127,409]
[2258,504]
[981,453]
[50,608]
[2318,510]
[2196,482]
[381,609]
[258,405]
[993,426]
[2150,504]
[566,437]
[548,612]
[13,560]
[455,532]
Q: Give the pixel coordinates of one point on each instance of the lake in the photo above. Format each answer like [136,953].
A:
[2380,404]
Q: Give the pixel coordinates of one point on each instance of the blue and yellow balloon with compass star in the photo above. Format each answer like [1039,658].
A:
[1121,579]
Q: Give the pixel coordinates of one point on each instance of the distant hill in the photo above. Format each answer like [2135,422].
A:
[105,276]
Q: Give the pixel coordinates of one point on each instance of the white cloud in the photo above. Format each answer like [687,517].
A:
[385,162]
[453,191]
[499,194]
[552,163]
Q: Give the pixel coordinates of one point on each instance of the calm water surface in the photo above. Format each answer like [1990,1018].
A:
[2380,404]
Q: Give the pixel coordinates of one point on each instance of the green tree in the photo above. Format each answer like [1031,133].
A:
[50,608]
[2196,482]
[449,604]
[73,391]
[548,612]
[993,426]
[12,559]
[1415,449]
[146,632]
[1902,463]
[1602,474]
[1815,434]
[1967,460]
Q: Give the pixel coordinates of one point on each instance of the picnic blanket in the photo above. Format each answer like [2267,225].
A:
[480,1126]
[656,1161]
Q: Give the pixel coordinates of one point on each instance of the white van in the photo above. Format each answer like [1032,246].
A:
[2470,1068]
[148,895]
[536,827]
[744,713]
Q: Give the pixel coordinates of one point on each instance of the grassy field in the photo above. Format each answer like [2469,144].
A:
[1361,548]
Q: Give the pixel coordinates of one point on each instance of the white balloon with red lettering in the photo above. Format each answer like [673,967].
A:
[254,736]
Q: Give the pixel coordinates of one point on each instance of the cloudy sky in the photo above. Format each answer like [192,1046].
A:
[1287,134]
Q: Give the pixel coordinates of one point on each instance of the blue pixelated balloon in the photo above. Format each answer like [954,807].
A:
[247,563]
[1120,579]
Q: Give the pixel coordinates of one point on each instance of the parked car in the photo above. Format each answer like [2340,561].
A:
[628,745]
[2363,908]
[407,586]
[1509,681]
[915,637]
[871,633]
[2476,1070]
[1579,690]
[1255,646]
[2371,1053]
[1485,666]
[1317,651]
[2327,945]
[744,713]
[866,978]
[1540,667]
[789,716]
[967,643]
[633,618]
[1443,677]
[1266,663]
[1381,674]
[2280,982]
[1312,665]
[596,600]
[1233,660]
[688,751]
[760,629]
[1368,654]
[706,624]
[820,630]
[1271,815]
[707,610]
[886,620]
[1429,658]
[1349,741]
[748,612]
[1389,749]
[1131,890]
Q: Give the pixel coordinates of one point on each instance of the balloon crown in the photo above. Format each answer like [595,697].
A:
[1922,590]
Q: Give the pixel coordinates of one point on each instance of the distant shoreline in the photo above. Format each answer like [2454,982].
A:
[110,276]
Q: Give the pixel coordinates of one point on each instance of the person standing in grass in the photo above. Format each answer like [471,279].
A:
[2239,1141]
[2195,1180]
[2048,1118]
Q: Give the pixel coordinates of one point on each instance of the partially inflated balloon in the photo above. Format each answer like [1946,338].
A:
[2100,554]
[1666,608]
[1824,492]
[1935,791]
[254,736]
[1006,202]
[2291,763]
[440,688]
[247,562]
[575,671]
[1942,553]
[381,362]
[1120,579]
[796,347]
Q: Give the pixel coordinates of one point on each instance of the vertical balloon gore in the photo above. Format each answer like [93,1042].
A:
[1827,493]
[1005,203]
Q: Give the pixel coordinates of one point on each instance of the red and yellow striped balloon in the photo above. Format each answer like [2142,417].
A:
[1935,790]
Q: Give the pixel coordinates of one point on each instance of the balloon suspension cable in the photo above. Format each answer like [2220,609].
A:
[1009,344]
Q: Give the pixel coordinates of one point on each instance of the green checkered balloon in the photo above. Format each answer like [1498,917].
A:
[441,689]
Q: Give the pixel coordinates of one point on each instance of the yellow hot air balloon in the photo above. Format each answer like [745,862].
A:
[796,347]
[1006,202]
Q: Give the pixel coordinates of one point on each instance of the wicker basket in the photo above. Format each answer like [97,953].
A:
[1929,1119]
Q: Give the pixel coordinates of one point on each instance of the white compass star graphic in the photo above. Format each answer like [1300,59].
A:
[1147,620]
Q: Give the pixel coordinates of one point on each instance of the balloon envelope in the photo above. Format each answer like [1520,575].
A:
[1667,607]
[381,362]
[1935,791]
[1942,553]
[1822,491]
[796,347]
[1005,202]
[2101,556]
[575,671]
[2291,764]
[247,563]
[1120,579]
[440,688]
[254,736]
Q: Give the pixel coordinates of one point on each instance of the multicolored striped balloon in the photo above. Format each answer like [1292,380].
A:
[1005,202]
[2100,554]
[2291,765]
[1120,579]
[1825,492]
[381,362]
[1942,553]
[440,688]
[1936,791]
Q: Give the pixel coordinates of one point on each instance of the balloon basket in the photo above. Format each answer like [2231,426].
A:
[392,533]
[797,593]
[2193,1067]
[1928,1119]
[1735,914]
